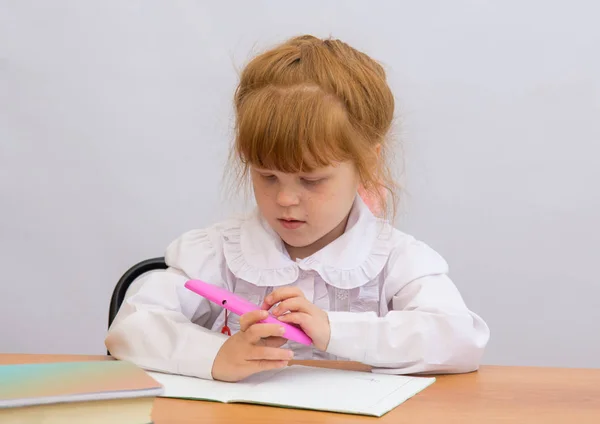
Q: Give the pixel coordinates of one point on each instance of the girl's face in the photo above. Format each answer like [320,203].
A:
[307,210]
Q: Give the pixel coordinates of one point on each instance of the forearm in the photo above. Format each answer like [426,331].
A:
[164,327]
[410,341]
[165,341]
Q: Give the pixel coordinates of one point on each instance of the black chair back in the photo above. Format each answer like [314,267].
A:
[129,277]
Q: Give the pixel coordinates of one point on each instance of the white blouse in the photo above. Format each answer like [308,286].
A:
[389,299]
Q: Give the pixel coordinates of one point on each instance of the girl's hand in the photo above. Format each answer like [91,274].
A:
[255,348]
[295,308]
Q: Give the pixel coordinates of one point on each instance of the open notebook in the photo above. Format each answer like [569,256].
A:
[303,387]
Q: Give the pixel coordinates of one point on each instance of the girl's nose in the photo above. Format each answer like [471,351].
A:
[287,197]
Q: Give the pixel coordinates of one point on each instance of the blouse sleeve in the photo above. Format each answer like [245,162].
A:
[161,325]
[428,328]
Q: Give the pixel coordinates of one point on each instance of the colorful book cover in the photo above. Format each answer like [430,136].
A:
[45,383]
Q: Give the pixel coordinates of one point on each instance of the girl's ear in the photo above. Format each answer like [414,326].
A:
[378,149]
[373,201]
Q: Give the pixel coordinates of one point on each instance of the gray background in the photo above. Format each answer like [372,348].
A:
[115,120]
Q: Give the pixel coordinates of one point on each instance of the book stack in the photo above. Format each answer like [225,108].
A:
[79,392]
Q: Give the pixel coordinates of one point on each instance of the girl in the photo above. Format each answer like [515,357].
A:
[311,123]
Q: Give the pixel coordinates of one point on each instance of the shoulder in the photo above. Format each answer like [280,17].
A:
[198,248]
[410,258]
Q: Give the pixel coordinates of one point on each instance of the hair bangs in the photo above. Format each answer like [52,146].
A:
[292,129]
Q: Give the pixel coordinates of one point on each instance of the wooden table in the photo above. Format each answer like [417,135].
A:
[494,394]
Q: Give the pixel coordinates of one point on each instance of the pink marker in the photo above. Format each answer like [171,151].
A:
[240,306]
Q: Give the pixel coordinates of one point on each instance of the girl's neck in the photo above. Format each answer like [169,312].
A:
[305,251]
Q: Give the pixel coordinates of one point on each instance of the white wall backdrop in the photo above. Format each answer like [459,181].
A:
[115,119]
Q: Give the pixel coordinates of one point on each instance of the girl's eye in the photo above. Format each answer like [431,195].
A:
[268,177]
[311,182]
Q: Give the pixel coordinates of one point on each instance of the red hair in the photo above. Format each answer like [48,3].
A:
[308,103]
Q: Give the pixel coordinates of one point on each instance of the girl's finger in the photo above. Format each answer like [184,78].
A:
[249,319]
[257,332]
[281,294]
[295,304]
[299,318]
[258,353]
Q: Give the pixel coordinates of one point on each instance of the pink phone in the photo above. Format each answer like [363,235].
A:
[240,306]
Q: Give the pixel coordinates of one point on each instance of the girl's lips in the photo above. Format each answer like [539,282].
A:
[291,224]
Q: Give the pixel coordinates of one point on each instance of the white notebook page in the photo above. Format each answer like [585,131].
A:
[177,386]
[303,387]
[333,390]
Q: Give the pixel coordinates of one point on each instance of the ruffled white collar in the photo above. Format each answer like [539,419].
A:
[255,253]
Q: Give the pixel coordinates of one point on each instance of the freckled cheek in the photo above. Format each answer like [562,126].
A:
[326,196]
[320,204]
[264,200]
[265,192]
